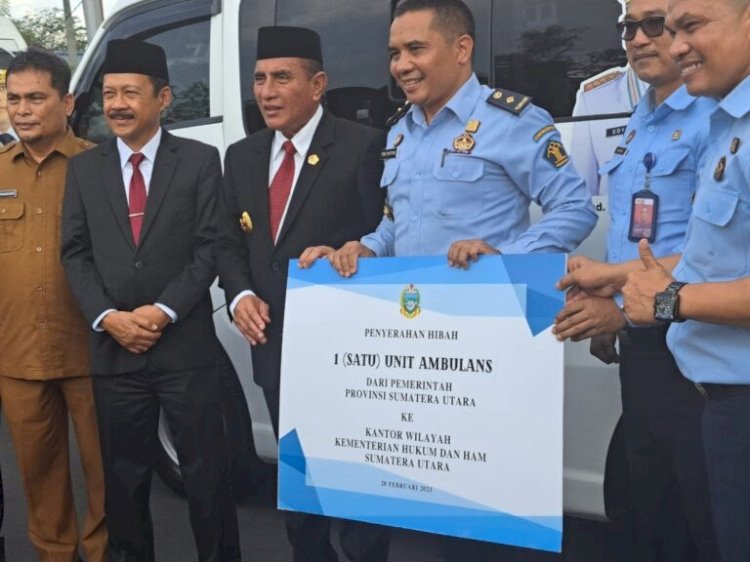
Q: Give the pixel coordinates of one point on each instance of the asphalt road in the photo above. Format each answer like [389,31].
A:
[263,534]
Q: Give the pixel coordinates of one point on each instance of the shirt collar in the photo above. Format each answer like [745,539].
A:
[461,104]
[302,140]
[148,150]
[737,102]
[678,100]
[68,147]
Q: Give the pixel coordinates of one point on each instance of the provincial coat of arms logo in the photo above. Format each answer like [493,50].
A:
[410,302]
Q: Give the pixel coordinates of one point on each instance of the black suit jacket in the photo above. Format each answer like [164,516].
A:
[336,199]
[173,264]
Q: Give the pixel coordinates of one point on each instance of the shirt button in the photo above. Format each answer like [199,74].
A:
[38,249]
[39,173]
[42,325]
[39,211]
[651,128]
[454,174]
[414,218]
[38,288]
[275,266]
[3,211]
[138,265]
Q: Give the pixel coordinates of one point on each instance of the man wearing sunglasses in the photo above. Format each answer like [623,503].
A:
[652,180]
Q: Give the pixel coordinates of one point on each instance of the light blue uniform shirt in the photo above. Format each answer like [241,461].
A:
[717,246]
[439,195]
[675,133]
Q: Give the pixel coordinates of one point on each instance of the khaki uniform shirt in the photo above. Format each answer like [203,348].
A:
[43,334]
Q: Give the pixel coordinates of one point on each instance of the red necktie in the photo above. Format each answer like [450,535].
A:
[136,197]
[280,188]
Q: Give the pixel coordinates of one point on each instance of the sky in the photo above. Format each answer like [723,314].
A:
[19,8]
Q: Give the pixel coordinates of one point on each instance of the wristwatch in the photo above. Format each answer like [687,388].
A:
[667,303]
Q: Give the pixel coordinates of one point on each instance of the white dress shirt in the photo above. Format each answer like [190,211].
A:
[147,168]
[301,141]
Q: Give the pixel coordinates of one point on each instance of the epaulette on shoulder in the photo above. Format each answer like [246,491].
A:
[604,79]
[509,101]
[400,112]
[6,147]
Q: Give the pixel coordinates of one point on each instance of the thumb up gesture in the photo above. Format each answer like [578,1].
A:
[642,285]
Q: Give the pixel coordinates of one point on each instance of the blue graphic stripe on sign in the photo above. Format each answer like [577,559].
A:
[537,272]
[539,532]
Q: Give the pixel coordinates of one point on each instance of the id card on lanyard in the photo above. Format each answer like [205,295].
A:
[644,208]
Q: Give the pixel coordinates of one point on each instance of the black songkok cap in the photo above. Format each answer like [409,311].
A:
[298,42]
[128,56]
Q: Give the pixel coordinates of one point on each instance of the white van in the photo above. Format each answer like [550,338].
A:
[11,41]
[543,48]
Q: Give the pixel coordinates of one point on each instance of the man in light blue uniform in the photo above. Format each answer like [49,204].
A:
[652,179]
[463,164]
[707,292]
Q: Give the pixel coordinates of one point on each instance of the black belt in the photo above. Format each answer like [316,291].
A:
[719,391]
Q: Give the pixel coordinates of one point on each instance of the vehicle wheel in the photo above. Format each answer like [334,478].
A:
[245,466]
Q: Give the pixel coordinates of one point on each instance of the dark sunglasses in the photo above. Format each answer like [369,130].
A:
[652,26]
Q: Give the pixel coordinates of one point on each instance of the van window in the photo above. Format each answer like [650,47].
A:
[355,54]
[546,48]
[186,44]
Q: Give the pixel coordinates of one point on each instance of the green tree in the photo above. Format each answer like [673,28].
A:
[46,28]
[5,8]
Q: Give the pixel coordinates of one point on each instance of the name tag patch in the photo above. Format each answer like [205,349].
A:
[8,193]
[616,131]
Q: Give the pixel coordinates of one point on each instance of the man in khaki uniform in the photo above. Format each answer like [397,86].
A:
[43,336]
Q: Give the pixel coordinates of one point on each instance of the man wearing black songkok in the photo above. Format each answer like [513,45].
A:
[139,225]
[309,179]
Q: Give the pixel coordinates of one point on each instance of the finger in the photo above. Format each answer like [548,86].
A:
[566,282]
[647,256]
[570,309]
[248,336]
[350,263]
[306,258]
[265,311]
[143,323]
[462,257]
[572,328]
[452,254]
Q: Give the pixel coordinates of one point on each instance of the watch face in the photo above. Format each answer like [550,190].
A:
[664,306]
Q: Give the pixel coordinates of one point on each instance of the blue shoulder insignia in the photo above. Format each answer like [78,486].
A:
[509,101]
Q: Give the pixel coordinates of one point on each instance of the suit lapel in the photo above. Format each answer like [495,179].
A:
[161,180]
[311,168]
[255,172]
[111,172]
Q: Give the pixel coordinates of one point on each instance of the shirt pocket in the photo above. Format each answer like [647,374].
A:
[11,226]
[671,162]
[390,170]
[718,239]
[458,191]
[610,166]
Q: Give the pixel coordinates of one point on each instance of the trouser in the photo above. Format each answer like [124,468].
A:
[726,433]
[310,535]
[37,414]
[664,447]
[127,407]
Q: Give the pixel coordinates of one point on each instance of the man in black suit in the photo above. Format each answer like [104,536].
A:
[310,179]
[139,226]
